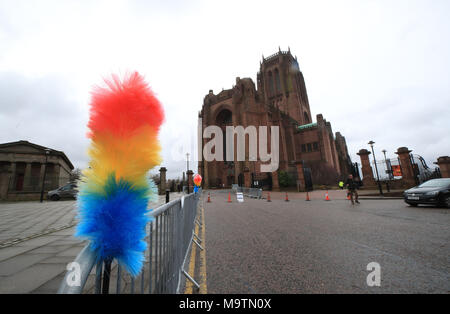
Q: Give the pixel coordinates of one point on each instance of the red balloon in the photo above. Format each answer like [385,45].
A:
[197,179]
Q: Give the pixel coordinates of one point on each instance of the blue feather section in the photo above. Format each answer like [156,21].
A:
[114,221]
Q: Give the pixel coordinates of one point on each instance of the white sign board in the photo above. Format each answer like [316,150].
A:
[240,197]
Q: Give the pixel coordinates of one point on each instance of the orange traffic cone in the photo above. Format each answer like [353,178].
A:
[307,196]
[209,198]
[326,196]
[268,197]
[348,196]
[229,197]
[286,198]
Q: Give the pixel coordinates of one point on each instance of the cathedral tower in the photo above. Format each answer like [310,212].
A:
[282,85]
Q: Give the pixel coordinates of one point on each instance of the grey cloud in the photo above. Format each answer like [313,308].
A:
[40,111]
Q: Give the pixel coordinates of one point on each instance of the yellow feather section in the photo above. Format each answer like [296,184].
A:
[130,158]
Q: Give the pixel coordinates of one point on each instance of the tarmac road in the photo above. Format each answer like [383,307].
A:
[324,247]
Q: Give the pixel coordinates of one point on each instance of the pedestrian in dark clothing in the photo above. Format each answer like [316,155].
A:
[351,188]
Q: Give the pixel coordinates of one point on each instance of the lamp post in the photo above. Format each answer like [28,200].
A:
[187,162]
[376,168]
[387,164]
[389,170]
[47,152]
[187,170]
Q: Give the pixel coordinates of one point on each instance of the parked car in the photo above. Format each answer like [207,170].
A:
[67,191]
[435,191]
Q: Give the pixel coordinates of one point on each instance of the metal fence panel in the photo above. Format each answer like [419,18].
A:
[169,238]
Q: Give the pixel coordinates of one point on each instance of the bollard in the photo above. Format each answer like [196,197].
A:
[167,196]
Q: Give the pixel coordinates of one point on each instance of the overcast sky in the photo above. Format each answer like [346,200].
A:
[377,70]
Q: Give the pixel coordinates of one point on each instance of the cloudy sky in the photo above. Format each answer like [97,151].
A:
[378,70]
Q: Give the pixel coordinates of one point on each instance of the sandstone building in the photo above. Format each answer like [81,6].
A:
[22,167]
[278,99]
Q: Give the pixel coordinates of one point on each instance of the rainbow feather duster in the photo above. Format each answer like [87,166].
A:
[125,117]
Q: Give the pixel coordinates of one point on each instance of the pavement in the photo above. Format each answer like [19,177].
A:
[324,246]
[37,243]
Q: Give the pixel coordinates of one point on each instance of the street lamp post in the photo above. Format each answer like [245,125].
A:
[376,168]
[387,164]
[187,162]
[47,152]
[187,170]
[388,169]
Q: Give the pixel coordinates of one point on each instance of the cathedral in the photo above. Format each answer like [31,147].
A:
[308,149]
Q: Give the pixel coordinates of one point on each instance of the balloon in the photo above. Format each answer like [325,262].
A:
[197,179]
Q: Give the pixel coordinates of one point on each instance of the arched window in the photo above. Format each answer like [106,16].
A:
[306,118]
[270,83]
[224,118]
[277,81]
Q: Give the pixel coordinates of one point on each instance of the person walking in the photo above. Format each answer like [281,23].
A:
[341,185]
[351,189]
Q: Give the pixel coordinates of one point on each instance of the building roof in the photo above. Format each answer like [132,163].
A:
[307,126]
[39,147]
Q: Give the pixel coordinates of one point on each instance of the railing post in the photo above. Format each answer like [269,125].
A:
[106,276]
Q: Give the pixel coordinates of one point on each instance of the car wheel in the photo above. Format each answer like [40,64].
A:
[55,197]
[446,201]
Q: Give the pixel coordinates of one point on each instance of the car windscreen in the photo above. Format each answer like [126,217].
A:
[435,184]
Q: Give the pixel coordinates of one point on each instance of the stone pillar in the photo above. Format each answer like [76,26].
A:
[205,180]
[247,182]
[300,176]
[224,177]
[41,176]
[444,166]
[190,173]
[200,171]
[56,174]
[12,177]
[162,181]
[27,177]
[275,184]
[405,164]
[4,181]
[367,172]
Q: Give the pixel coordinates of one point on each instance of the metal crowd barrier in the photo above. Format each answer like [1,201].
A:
[170,236]
[250,192]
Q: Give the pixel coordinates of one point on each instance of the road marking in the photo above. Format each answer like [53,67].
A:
[189,286]
[48,231]
[203,288]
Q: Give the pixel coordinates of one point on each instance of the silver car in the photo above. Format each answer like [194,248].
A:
[67,191]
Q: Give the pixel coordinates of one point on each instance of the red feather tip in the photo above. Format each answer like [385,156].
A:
[123,106]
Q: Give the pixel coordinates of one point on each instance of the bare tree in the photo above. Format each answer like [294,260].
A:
[155,178]
[75,175]
[324,174]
